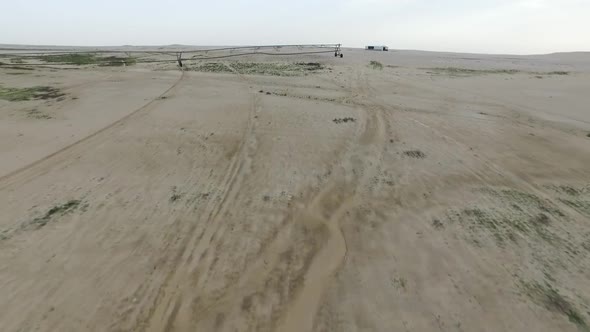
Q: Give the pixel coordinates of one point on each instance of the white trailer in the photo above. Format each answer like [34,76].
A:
[376,48]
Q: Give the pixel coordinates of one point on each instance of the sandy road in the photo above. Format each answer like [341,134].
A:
[444,206]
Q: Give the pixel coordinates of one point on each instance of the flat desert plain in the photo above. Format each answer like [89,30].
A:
[382,191]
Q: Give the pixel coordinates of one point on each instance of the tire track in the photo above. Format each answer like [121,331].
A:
[330,206]
[320,210]
[193,247]
[44,164]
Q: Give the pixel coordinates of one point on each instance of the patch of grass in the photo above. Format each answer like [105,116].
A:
[568,190]
[17,60]
[524,219]
[526,199]
[175,195]
[343,120]
[484,220]
[81,59]
[539,223]
[73,59]
[417,154]
[541,219]
[276,69]
[36,114]
[579,205]
[213,67]
[400,283]
[310,66]
[58,210]
[115,61]
[455,71]
[506,224]
[437,224]
[557,73]
[588,135]
[16,73]
[526,214]
[260,68]
[6,66]
[33,93]
[552,300]
[376,65]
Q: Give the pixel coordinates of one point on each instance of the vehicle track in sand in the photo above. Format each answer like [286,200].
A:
[44,164]
[330,205]
[164,304]
[323,208]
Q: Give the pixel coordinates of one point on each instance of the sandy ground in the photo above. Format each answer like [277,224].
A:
[150,199]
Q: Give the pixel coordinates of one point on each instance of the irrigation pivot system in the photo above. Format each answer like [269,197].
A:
[62,56]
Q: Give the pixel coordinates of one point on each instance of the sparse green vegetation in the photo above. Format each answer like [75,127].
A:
[437,224]
[576,198]
[212,67]
[36,114]
[557,73]
[114,61]
[73,59]
[81,59]
[454,71]
[43,220]
[415,154]
[525,199]
[4,66]
[400,283]
[175,195]
[376,65]
[17,60]
[483,220]
[24,94]
[520,215]
[344,120]
[58,210]
[260,68]
[276,69]
[310,66]
[567,190]
[552,300]
[582,206]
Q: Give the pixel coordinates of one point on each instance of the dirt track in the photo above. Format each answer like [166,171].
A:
[167,201]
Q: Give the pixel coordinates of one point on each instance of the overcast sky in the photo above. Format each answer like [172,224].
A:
[483,26]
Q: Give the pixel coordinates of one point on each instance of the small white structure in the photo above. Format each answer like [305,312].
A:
[377,48]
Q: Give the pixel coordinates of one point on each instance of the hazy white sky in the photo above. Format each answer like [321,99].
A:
[486,26]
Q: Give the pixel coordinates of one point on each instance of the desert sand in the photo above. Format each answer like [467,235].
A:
[384,191]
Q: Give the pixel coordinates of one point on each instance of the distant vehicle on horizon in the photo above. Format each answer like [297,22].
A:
[376,48]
